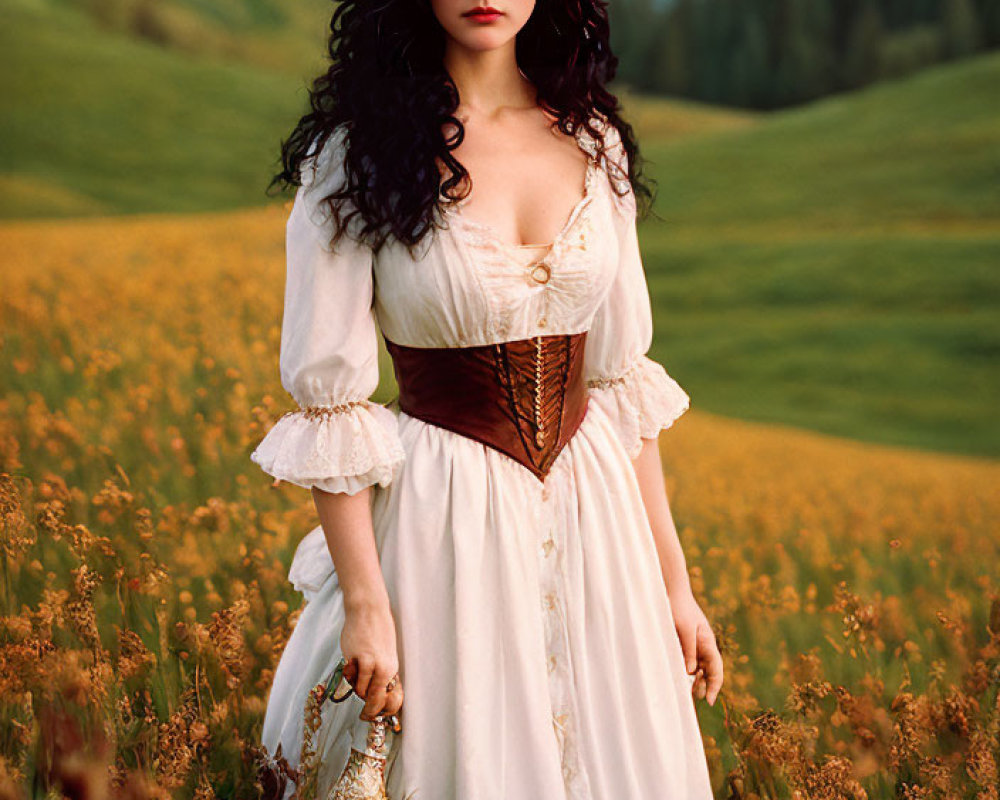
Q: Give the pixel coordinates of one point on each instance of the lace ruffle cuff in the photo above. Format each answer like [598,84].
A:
[641,402]
[337,448]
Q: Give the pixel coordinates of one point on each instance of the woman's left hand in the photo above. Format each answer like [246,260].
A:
[701,653]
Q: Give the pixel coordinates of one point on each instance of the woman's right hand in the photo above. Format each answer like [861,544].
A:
[368,643]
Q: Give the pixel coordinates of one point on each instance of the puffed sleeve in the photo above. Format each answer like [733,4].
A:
[337,439]
[634,390]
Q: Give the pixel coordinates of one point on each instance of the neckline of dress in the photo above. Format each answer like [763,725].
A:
[454,208]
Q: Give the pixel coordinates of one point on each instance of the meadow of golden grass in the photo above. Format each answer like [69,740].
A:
[854,588]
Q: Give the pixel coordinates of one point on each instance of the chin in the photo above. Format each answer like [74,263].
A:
[484,41]
[480,38]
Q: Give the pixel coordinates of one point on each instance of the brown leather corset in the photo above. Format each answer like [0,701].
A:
[525,398]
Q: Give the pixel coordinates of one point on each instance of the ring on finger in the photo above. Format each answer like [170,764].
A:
[392,683]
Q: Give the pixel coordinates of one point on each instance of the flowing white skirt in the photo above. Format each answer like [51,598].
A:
[538,654]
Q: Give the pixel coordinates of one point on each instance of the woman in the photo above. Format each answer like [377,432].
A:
[497,544]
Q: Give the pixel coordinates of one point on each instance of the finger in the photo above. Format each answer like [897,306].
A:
[715,675]
[688,637]
[710,660]
[345,686]
[350,673]
[376,695]
[699,684]
[350,668]
[394,700]
[366,666]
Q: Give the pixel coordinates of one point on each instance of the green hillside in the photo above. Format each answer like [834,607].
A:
[97,121]
[836,266]
[101,120]
[832,267]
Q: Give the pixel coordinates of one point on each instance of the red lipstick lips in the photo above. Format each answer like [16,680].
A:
[483,14]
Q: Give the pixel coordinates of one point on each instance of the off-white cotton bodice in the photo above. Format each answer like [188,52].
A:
[465,286]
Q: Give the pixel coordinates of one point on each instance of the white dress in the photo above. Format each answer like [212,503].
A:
[538,653]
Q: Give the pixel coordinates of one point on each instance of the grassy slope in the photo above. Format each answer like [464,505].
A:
[835,266]
[828,267]
[97,123]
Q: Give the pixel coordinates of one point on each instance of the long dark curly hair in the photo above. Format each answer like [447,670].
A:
[387,82]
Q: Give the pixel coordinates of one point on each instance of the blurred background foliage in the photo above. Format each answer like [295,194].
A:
[828,264]
[775,53]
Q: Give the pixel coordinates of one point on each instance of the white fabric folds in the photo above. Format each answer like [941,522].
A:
[641,402]
[338,440]
[312,565]
[334,450]
[519,604]
[635,391]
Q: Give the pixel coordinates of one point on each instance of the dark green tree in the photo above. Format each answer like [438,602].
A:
[806,63]
[751,75]
[989,19]
[862,59]
[673,65]
[961,28]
